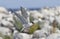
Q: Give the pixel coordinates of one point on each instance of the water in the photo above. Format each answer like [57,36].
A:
[19,9]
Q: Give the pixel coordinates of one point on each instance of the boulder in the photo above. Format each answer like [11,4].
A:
[54,36]
[1,38]
[5,31]
[18,35]
[3,10]
[6,23]
[39,34]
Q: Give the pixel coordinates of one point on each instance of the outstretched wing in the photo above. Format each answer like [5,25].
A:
[24,12]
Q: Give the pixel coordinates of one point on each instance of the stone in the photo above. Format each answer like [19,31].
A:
[18,35]
[1,38]
[39,34]
[5,31]
[54,36]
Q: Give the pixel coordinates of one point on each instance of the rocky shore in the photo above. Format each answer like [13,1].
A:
[25,24]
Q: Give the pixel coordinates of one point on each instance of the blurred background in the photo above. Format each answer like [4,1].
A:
[29,3]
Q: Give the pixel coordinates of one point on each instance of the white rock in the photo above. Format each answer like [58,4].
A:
[7,23]
[17,35]
[5,31]
[10,19]
[51,19]
[3,10]
[1,38]
[42,38]
[57,19]
[21,36]
[39,34]
[54,36]
[3,16]
[36,14]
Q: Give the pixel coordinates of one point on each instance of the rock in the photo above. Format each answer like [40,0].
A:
[39,34]
[3,10]
[54,36]
[10,17]
[18,35]
[3,16]
[41,38]
[1,38]
[51,19]
[56,30]
[36,15]
[38,38]
[5,31]
[7,23]
[6,19]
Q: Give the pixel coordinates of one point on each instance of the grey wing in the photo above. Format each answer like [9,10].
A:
[24,12]
[21,18]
